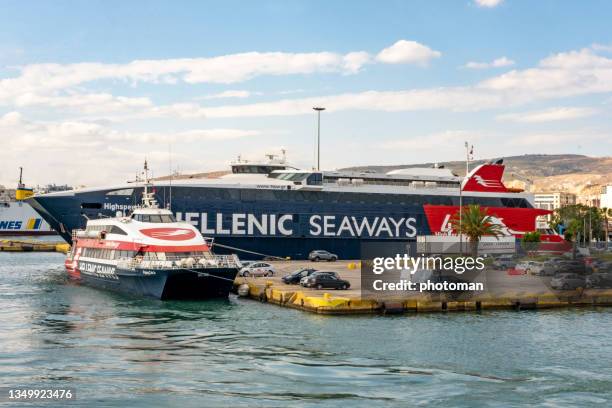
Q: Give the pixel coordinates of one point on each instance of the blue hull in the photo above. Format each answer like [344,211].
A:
[166,284]
[260,222]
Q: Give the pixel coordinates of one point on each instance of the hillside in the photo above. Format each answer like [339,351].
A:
[582,175]
[561,172]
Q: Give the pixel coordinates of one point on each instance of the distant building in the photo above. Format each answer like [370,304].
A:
[551,202]
[605,199]
[590,200]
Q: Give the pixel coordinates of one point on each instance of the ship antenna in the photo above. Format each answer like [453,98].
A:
[20,185]
[170,164]
[148,199]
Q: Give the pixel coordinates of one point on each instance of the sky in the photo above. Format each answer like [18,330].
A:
[88,90]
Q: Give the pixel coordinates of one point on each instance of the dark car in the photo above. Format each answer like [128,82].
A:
[321,255]
[599,280]
[295,277]
[571,267]
[504,263]
[599,266]
[568,281]
[325,280]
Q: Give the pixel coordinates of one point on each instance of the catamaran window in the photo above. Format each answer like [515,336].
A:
[117,230]
[124,192]
[155,218]
[254,169]
[291,176]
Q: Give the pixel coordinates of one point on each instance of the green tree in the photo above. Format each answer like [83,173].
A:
[605,214]
[475,223]
[586,221]
[574,227]
[531,240]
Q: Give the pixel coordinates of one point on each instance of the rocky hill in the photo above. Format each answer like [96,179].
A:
[581,175]
[560,172]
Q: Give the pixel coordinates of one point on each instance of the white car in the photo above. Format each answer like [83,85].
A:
[257,269]
[530,267]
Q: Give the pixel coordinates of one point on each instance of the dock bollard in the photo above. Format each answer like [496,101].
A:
[243,290]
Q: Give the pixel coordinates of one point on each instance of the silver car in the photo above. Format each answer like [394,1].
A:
[568,281]
[321,255]
[257,269]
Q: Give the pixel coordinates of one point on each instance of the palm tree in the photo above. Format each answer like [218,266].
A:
[475,223]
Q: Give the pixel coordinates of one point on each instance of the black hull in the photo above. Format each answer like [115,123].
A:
[171,284]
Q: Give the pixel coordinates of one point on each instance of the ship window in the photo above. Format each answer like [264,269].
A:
[124,192]
[253,169]
[95,206]
[155,218]
[167,218]
[315,179]
[117,230]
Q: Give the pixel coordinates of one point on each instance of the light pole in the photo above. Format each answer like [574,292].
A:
[319,109]
[467,169]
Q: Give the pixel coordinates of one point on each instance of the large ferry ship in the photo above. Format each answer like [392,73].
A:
[17,217]
[149,253]
[270,208]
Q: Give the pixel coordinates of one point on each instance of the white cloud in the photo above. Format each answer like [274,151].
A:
[549,115]
[226,69]
[488,3]
[59,85]
[561,75]
[46,78]
[407,52]
[602,47]
[96,153]
[456,99]
[241,94]
[496,63]
[83,102]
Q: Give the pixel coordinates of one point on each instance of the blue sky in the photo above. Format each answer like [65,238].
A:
[86,86]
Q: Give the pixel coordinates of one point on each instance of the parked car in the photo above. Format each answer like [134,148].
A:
[321,255]
[325,280]
[571,267]
[295,277]
[504,263]
[548,269]
[257,269]
[600,267]
[568,281]
[529,267]
[599,280]
[305,278]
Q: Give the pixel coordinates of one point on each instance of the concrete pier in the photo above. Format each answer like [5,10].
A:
[12,245]
[509,292]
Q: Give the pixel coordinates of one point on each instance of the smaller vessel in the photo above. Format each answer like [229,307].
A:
[149,253]
[17,217]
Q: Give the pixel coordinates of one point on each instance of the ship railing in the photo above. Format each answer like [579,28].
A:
[191,262]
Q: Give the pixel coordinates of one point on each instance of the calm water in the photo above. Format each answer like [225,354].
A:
[122,352]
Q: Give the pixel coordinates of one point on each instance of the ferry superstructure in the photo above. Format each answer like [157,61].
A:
[149,253]
[273,209]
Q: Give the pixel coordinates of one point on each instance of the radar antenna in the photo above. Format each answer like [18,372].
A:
[148,199]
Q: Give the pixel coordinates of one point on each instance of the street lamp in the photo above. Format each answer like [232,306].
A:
[318,109]
[467,169]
